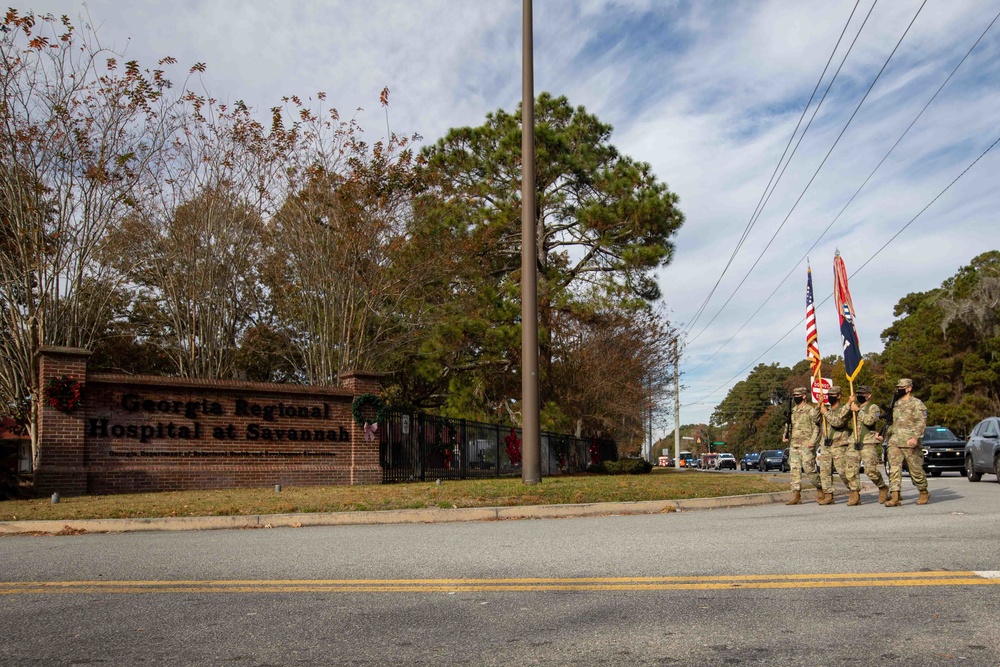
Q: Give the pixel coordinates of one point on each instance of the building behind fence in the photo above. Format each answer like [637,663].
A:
[417,447]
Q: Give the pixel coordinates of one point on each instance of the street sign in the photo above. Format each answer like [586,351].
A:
[820,388]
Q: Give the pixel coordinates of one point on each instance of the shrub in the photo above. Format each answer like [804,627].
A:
[635,467]
[623,467]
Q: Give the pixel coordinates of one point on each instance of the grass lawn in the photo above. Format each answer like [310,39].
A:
[661,484]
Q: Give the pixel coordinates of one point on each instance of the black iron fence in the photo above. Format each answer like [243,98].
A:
[417,447]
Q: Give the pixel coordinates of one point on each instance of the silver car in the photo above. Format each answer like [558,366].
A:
[982,451]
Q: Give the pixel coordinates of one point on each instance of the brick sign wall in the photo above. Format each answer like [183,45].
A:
[141,433]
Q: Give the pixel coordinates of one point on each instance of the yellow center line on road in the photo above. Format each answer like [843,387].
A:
[722,582]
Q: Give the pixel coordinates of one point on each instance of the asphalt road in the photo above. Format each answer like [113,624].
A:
[769,585]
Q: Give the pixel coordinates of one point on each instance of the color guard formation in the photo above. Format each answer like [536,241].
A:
[822,434]
[841,435]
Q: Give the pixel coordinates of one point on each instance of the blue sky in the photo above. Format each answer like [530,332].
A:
[706,92]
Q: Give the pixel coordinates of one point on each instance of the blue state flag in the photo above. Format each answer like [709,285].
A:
[845,310]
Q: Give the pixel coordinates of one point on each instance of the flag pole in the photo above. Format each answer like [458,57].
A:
[812,346]
[822,400]
[850,382]
[848,332]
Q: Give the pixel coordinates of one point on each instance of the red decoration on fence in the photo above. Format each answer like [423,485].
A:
[595,452]
[513,447]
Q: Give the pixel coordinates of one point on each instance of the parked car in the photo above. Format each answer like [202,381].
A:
[725,461]
[982,451]
[943,451]
[770,459]
[785,465]
[749,461]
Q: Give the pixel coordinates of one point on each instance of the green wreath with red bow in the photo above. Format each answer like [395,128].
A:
[63,393]
[366,400]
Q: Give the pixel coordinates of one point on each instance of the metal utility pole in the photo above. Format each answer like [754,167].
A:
[531,450]
[677,404]
[651,456]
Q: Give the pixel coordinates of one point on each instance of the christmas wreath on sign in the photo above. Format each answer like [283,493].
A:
[64,393]
[367,400]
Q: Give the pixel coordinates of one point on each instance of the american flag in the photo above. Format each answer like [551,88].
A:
[812,337]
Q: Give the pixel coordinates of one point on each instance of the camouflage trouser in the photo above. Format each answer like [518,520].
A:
[831,458]
[824,457]
[914,462]
[802,459]
[869,454]
[851,467]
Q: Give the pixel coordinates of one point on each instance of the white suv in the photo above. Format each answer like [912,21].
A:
[725,460]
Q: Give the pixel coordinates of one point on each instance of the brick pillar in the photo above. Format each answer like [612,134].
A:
[365,467]
[60,436]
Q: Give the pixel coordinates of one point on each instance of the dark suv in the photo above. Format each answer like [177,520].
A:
[943,451]
[982,452]
[769,459]
[749,461]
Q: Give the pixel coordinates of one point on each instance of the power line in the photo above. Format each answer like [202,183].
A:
[903,228]
[854,196]
[762,201]
[759,211]
[856,271]
[816,173]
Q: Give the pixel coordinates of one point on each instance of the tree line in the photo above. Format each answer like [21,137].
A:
[175,234]
[946,339]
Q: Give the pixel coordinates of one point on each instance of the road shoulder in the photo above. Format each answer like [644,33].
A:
[426,515]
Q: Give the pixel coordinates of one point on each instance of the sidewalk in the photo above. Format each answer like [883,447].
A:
[428,515]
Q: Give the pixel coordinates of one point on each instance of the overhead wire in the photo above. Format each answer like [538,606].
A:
[760,256]
[856,192]
[759,211]
[764,195]
[855,272]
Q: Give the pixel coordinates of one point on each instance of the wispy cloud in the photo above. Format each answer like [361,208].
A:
[708,93]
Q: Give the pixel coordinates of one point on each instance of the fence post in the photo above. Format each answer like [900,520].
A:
[421,449]
[463,447]
[497,459]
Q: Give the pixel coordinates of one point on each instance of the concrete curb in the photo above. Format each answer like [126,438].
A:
[428,515]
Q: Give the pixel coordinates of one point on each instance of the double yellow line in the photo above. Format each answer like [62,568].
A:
[788,581]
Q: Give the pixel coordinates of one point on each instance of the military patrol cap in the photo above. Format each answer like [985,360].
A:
[834,391]
[799,391]
[905,382]
[864,389]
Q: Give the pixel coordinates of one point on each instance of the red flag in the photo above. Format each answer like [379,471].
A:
[845,310]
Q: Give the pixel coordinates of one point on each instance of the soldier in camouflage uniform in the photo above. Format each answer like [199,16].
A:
[836,455]
[909,419]
[868,415]
[802,441]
